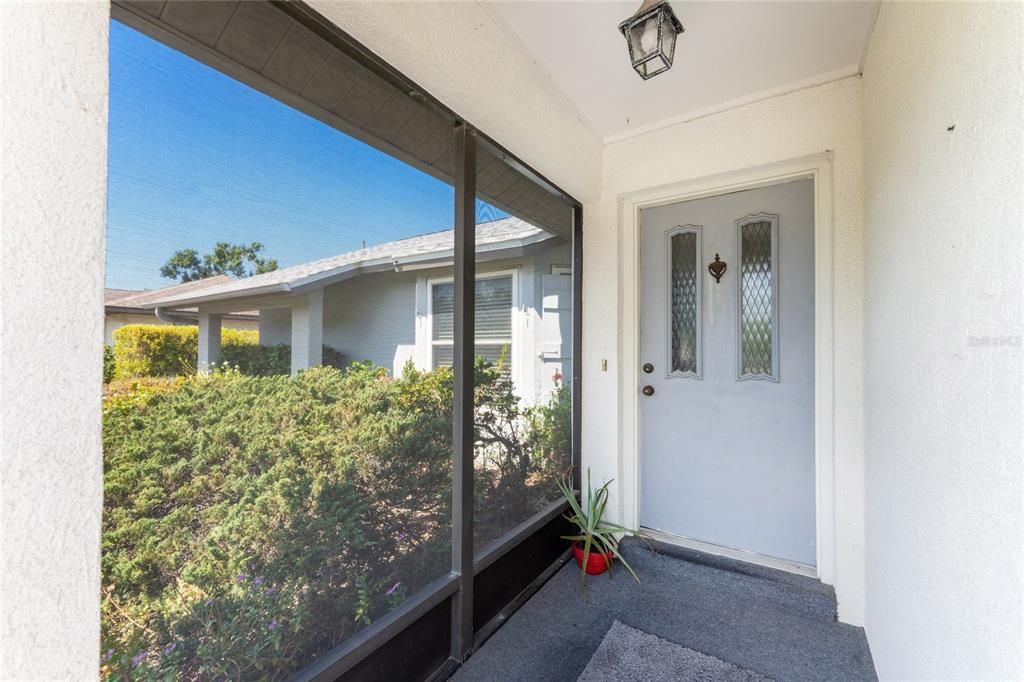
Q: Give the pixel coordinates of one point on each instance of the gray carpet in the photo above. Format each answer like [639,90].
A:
[628,655]
[778,624]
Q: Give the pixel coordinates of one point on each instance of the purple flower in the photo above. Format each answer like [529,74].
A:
[170,647]
[401,536]
[393,588]
[242,577]
[138,658]
[109,655]
[257,581]
[273,625]
[270,590]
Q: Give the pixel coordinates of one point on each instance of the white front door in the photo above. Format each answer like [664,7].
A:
[727,376]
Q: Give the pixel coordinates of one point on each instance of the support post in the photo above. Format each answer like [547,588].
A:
[209,341]
[462,435]
[577,346]
[308,330]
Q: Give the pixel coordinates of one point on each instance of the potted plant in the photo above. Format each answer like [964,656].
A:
[595,546]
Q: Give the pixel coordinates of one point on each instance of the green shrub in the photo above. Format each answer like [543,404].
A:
[108,364]
[242,512]
[153,350]
[250,523]
[256,360]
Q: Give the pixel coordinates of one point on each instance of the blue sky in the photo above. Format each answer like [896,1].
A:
[197,157]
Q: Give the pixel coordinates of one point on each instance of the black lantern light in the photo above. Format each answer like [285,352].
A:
[651,36]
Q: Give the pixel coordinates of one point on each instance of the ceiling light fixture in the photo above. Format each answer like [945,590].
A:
[651,36]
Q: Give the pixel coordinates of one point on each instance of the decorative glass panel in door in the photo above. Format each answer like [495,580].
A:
[758,291]
[684,252]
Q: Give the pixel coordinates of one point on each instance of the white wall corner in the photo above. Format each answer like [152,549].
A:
[944,316]
[54,151]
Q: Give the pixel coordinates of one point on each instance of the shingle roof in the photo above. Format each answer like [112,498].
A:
[111,296]
[138,299]
[132,299]
[495,235]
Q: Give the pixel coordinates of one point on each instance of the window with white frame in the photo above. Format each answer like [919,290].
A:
[494,303]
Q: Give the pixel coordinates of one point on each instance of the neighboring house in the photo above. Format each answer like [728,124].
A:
[128,306]
[392,303]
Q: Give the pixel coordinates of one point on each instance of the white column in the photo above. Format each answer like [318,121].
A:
[308,330]
[54,102]
[209,340]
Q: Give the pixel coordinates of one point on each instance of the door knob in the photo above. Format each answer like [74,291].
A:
[647,390]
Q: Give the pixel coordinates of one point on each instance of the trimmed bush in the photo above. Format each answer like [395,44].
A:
[153,350]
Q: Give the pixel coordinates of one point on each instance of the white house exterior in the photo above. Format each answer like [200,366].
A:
[387,304]
[922,143]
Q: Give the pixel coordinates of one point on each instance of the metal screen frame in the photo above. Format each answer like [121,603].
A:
[344,660]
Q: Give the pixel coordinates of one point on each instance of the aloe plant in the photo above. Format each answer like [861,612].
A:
[595,534]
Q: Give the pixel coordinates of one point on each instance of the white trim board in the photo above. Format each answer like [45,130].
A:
[730,553]
[818,168]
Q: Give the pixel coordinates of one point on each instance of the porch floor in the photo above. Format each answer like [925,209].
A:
[775,623]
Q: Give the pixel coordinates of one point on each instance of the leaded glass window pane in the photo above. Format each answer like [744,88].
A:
[685,304]
[756,300]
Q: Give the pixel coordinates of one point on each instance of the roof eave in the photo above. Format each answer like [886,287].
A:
[351,270]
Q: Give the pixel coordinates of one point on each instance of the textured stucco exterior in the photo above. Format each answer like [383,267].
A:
[803,123]
[54,137]
[943,172]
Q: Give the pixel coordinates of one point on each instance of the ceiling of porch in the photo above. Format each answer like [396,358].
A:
[731,53]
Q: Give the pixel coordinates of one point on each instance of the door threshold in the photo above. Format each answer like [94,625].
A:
[730,553]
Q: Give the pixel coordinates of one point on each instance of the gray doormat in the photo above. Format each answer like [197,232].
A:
[629,655]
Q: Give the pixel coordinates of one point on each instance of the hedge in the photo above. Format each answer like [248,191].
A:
[251,523]
[153,350]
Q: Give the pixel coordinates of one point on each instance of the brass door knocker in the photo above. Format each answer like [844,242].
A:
[717,269]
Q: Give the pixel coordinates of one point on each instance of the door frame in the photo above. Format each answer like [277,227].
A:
[818,168]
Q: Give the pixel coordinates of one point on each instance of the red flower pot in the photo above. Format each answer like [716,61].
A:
[597,563]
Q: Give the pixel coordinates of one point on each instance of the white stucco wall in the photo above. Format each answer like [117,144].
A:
[54,137]
[944,418]
[373,318]
[807,122]
[275,326]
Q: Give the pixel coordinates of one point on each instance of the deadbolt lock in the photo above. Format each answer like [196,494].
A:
[648,368]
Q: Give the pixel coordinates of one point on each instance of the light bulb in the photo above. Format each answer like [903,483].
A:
[649,38]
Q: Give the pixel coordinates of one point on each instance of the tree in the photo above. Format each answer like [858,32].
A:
[239,260]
